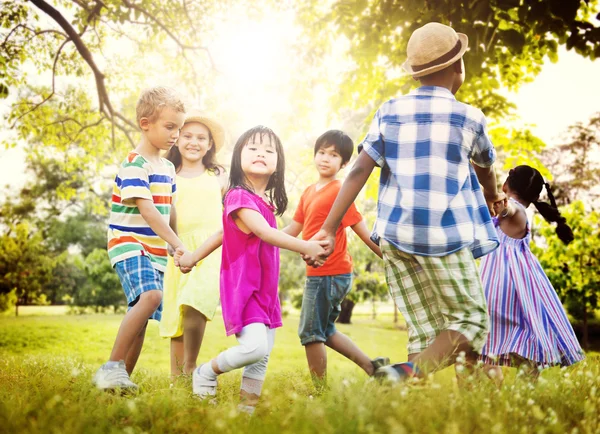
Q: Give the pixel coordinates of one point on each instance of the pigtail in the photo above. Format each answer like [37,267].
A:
[551,214]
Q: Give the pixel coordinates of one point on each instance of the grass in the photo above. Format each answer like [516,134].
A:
[46,363]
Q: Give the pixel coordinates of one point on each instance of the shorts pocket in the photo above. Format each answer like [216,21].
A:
[340,287]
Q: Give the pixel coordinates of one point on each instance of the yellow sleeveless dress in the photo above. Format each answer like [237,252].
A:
[199,211]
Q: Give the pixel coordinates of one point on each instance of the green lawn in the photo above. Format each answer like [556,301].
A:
[46,363]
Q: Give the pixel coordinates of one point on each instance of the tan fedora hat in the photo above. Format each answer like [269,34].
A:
[216,129]
[432,48]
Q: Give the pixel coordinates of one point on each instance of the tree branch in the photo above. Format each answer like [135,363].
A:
[168,31]
[35,33]
[83,50]
[35,107]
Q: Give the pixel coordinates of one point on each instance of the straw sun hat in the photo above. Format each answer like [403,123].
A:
[432,48]
[216,129]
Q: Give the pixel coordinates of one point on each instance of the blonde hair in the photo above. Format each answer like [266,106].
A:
[154,99]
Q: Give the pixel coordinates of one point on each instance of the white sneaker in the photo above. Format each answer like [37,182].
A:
[203,386]
[113,378]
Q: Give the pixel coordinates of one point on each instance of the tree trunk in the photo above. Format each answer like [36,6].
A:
[395,314]
[346,313]
[374,308]
[17,308]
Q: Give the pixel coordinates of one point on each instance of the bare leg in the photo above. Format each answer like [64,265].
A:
[494,373]
[316,356]
[134,351]
[343,344]
[530,370]
[176,357]
[135,320]
[194,325]
[442,352]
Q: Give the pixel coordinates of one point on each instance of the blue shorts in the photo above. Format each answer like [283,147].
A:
[137,275]
[321,306]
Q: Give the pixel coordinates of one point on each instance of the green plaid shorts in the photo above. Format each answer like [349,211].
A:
[435,294]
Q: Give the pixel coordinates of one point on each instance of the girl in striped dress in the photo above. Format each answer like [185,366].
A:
[528,325]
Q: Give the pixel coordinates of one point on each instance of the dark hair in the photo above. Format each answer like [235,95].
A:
[276,184]
[527,183]
[209,160]
[339,140]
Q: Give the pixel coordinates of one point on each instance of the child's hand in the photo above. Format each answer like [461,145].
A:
[500,206]
[170,250]
[185,270]
[184,259]
[328,242]
[493,198]
[314,249]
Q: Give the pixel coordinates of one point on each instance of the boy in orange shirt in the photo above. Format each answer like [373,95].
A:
[327,286]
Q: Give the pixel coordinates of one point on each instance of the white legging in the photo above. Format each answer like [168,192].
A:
[255,344]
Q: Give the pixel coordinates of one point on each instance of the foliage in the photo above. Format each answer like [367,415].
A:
[46,365]
[68,278]
[508,39]
[70,39]
[102,288]
[24,266]
[574,269]
[575,163]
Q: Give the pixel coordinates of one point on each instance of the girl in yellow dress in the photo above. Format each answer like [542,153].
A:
[190,300]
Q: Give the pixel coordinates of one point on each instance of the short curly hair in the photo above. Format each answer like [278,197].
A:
[152,100]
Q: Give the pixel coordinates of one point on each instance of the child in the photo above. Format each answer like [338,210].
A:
[250,263]
[528,325]
[432,217]
[327,286]
[191,299]
[138,229]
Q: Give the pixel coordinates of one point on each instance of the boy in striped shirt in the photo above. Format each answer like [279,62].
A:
[140,226]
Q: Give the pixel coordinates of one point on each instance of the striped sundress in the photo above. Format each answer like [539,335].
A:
[526,316]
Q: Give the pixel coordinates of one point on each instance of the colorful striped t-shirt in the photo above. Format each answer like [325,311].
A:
[128,233]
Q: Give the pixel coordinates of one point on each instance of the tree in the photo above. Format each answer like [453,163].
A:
[509,40]
[574,269]
[67,278]
[575,164]
[67,38]
[24,267]
[103,288]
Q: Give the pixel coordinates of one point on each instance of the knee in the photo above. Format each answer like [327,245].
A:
[256,351]
[152,298]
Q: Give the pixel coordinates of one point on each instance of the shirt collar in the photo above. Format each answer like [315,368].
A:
[434,91]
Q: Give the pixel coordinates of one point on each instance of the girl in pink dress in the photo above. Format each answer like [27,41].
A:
[250,263]
[528,325]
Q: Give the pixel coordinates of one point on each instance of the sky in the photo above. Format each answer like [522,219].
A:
[562,94]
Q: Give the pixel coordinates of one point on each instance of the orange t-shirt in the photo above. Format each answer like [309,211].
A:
[312,211]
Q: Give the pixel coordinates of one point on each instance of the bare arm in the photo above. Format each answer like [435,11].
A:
[363,233]
[512,219]
[487,179]
[249,220]
[184,259]
[173,219]
[211,244]
[350,188]
[293,229]
[157,223]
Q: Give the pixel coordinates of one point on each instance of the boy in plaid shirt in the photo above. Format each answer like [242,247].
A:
[433,218]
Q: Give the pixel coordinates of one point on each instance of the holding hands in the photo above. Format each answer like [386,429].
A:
[496,201]
[326,243]
[184,260]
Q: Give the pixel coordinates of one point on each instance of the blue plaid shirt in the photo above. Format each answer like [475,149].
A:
[430,202]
